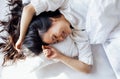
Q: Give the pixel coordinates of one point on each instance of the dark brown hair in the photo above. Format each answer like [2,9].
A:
[12,27]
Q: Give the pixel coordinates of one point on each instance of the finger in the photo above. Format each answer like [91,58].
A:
[18,50]
[46,47]
[46,54]
[43,47]
[47,51]
[18,46]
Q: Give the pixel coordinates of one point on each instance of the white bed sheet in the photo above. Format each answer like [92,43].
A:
[101,69]
[4,10]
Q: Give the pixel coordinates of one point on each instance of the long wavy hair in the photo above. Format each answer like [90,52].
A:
[12,27]
[33,41]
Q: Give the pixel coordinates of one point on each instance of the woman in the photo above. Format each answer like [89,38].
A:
[102,20]
[58,28]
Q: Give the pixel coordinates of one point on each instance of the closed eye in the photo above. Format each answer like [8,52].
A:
[54,38]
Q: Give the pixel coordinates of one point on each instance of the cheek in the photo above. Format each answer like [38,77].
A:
[46,38]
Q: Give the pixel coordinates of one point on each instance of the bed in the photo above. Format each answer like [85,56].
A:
[26,69]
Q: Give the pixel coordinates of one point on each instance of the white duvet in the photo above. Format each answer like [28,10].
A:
[103,23]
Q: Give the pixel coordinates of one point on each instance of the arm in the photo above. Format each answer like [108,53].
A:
[52,53]
[75,64]
[28,12]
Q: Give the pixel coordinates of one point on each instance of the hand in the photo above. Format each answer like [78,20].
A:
[51,53]
[18,45]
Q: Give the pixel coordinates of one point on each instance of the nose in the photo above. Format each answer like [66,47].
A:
[61,38]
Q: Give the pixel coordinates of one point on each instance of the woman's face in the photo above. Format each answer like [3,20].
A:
[59,30]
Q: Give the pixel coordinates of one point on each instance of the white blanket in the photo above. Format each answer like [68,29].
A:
[103,18]
[103,26]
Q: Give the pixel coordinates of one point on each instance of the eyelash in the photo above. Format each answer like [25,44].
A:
[54,38]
